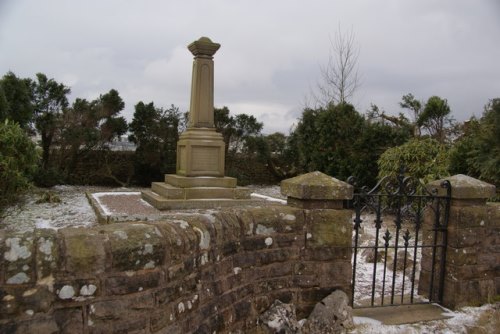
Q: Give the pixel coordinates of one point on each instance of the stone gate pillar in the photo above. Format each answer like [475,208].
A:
[472,272]
[325,264]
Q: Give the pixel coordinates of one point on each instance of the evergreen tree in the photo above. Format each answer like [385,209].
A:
[15,100]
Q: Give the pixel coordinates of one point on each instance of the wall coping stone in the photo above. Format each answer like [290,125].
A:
[316,186]
[464,187]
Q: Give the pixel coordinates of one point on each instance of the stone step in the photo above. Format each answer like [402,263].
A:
[170,192]
[200,181]
[162,203]
[167,191]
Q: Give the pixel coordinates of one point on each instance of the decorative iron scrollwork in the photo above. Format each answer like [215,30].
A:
[399,205]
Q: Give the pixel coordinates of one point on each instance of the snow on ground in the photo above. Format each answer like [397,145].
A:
[74,210]
[480,320]
[272,192]
[268,198]
[365,270]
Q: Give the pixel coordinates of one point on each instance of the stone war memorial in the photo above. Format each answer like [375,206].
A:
[234,264]
[199,181]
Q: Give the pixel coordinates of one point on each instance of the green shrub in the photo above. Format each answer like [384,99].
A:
[425,159]
[48,177]
[18,161]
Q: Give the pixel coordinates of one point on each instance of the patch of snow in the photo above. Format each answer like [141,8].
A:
[364,320]
[268,198]
[365,270]
[114,193]
[204,238]
[261,229]
[74,210]
[271,191]
[44,223]
[211,218]
[145,203]
[183,224]
[462,320]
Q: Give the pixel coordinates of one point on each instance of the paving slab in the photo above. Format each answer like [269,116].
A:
[403,314]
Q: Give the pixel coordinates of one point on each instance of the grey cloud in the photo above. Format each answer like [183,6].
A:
[271,50]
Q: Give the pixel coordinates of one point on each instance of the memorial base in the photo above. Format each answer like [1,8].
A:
[181,192]
[200,152]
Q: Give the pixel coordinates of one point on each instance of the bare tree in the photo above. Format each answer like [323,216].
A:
[339,78]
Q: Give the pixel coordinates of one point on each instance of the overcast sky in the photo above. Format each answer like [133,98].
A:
[271,51]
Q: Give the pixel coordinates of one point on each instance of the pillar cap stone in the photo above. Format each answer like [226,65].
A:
[464,187]
[316,186]
[203,47]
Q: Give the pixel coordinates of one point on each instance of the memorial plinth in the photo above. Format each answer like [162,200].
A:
[199,181]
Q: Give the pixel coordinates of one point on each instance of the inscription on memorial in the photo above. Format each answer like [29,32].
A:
[205,158]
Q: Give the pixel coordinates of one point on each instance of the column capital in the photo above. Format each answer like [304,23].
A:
[203,47]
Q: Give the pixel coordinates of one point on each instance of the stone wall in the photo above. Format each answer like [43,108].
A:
[472,270]
[196,273]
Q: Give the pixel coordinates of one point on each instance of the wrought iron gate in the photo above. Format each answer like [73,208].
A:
[396,225]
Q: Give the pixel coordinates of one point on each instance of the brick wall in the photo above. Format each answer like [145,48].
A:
[197,273]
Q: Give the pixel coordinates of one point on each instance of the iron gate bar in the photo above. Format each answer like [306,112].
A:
[436,224]
[418,223]
[387,238]
[378,225]
[447,185]
[401,195]
[406,238]
[357,223]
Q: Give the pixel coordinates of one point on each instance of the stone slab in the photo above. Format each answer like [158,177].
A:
[132,208]
[200,181]
[170,192]
[162,203]
[113,208]
[403,314]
